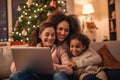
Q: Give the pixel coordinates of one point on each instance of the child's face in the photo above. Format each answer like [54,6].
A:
[76,47]
[48,37]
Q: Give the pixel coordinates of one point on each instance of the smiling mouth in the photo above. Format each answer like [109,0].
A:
[75,52]
[62,37]
[50,41]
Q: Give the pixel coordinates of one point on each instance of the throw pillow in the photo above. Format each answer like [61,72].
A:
[108,59]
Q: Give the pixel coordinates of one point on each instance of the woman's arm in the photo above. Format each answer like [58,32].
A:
[64,61]
[63,68]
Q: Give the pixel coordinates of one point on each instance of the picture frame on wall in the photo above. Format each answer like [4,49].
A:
[3,21]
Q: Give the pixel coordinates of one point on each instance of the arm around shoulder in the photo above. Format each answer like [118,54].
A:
[89,57]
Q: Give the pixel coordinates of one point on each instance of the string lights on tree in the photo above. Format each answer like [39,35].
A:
[30,14]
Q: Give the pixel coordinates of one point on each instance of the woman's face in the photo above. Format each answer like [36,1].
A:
[48,37]
[62,31]
[76,47]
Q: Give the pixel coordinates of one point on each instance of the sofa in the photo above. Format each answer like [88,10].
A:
[6,55]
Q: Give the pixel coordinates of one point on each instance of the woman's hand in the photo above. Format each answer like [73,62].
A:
[13,68]
[71,64]
[55,67]
[63,68]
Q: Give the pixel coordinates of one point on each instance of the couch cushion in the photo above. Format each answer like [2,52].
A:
[116,65]
[108,59]
[113,47]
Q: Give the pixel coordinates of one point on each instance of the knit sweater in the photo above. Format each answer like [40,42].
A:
[86,64]
[88,57]
[60,58]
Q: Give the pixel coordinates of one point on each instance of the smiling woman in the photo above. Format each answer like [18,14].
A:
[3,21]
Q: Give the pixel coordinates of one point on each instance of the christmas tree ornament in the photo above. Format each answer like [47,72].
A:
[48,13]
[18,9]
[20,19]
[29,3]
[16,25]
[53,3]
[24,32]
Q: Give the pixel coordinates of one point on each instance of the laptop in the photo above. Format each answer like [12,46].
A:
[38,58]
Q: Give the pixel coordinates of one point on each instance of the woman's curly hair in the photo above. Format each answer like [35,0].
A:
[58,16]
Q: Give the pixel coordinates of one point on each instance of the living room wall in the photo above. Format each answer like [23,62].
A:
[118,18]
[101,17]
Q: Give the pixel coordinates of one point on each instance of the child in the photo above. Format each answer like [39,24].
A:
[84,59]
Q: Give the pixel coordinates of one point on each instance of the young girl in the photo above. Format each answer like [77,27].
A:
[84,59]
[44,36]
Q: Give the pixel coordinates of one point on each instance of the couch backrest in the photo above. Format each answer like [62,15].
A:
[113,46]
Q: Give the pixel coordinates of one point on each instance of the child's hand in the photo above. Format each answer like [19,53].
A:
[55,67]
[73,64]
[68,64]
[13,68]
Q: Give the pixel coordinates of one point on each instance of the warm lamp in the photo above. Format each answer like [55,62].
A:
[82,2]
[90,27]
[88,9]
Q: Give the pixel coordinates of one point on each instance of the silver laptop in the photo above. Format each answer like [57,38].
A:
[36,57]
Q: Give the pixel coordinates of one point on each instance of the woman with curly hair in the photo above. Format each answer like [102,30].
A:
[65,26]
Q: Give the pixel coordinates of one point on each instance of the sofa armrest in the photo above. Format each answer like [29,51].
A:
[5,61]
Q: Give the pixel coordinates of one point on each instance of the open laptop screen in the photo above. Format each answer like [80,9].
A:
[38,57]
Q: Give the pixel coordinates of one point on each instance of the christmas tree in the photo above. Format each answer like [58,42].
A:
[30,14]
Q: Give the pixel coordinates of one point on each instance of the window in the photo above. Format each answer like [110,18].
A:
[3,21]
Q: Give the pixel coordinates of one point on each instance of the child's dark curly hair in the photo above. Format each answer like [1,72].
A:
[82,38]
